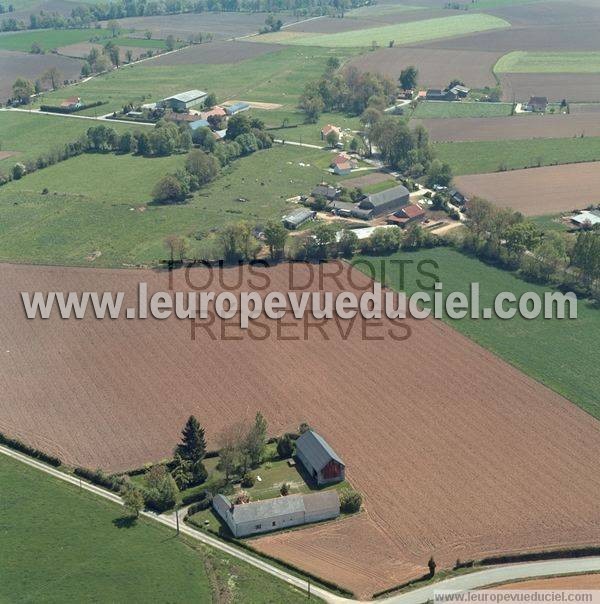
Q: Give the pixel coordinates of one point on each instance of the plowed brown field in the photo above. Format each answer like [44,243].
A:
[518,127]
[457,453]
[537,191]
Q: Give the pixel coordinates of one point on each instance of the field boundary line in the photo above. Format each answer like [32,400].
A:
[496,575]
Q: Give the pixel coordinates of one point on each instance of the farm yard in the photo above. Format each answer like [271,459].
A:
[63,527]
[495,510]
[546,190]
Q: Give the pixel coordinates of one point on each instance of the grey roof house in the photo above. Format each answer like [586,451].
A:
[297,218]
[385,201]
[321,462]
[327,191]
[273,514]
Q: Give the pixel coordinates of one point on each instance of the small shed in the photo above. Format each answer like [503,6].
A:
[321,462]
[237,108]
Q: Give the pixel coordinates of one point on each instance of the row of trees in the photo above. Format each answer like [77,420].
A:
[243,137]
[507,238]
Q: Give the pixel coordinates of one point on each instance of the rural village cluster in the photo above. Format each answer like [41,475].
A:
[302,184]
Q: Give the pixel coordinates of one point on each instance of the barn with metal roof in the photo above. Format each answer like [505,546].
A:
[321,462]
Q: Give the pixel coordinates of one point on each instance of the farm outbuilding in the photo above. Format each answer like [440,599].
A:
[184,100]
[407,215]
[237,108]
[385,201]
[538,104]
[273,514]
[321,462]
[299,217]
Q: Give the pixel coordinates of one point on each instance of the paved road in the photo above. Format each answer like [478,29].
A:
[488,576]
[296,144]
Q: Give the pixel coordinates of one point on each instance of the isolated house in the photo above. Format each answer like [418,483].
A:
[460,91]
[343,164]
[71,103]
[328,129]
[320,461]
[586,219]
[538,104]
[273,514]
[184,100]
[385,201]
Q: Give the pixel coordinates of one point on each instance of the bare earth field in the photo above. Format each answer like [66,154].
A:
[544,38]
[537,191]
[517,127]
[19,64]
[450,461]
[215,53]
[436,67]
[571,582]
[580,87]
[221,25]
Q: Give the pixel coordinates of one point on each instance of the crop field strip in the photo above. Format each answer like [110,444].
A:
[487,428]
[401,33]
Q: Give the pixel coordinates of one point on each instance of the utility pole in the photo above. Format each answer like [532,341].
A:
[177,518]
[309,589]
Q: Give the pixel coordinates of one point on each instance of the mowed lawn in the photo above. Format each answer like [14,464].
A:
[549,62]
[98,203]
[49,38]
[400,33]
[446,109]
[277,77]
[29,135]
[562,354]
[480,157]
[62,544]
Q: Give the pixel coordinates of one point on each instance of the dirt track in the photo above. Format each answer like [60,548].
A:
[450,460]
[517,127]
[537,191]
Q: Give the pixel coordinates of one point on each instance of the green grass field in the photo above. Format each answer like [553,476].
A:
[401,33]
[549,62]
[98,203]
[62,544]
[562,354]
[277,77]
[30,135]
[490,156]
[445,109]
[49,38]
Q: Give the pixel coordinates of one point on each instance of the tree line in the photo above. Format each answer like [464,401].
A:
[506,238]
[85,15]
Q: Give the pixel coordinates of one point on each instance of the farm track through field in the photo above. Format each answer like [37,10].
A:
[444,440]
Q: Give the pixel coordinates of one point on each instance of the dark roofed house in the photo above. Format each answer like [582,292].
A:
[435,94]
[273,514]
[457,197]
[538,104]
[320,461]
[385,201]
[327,191]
